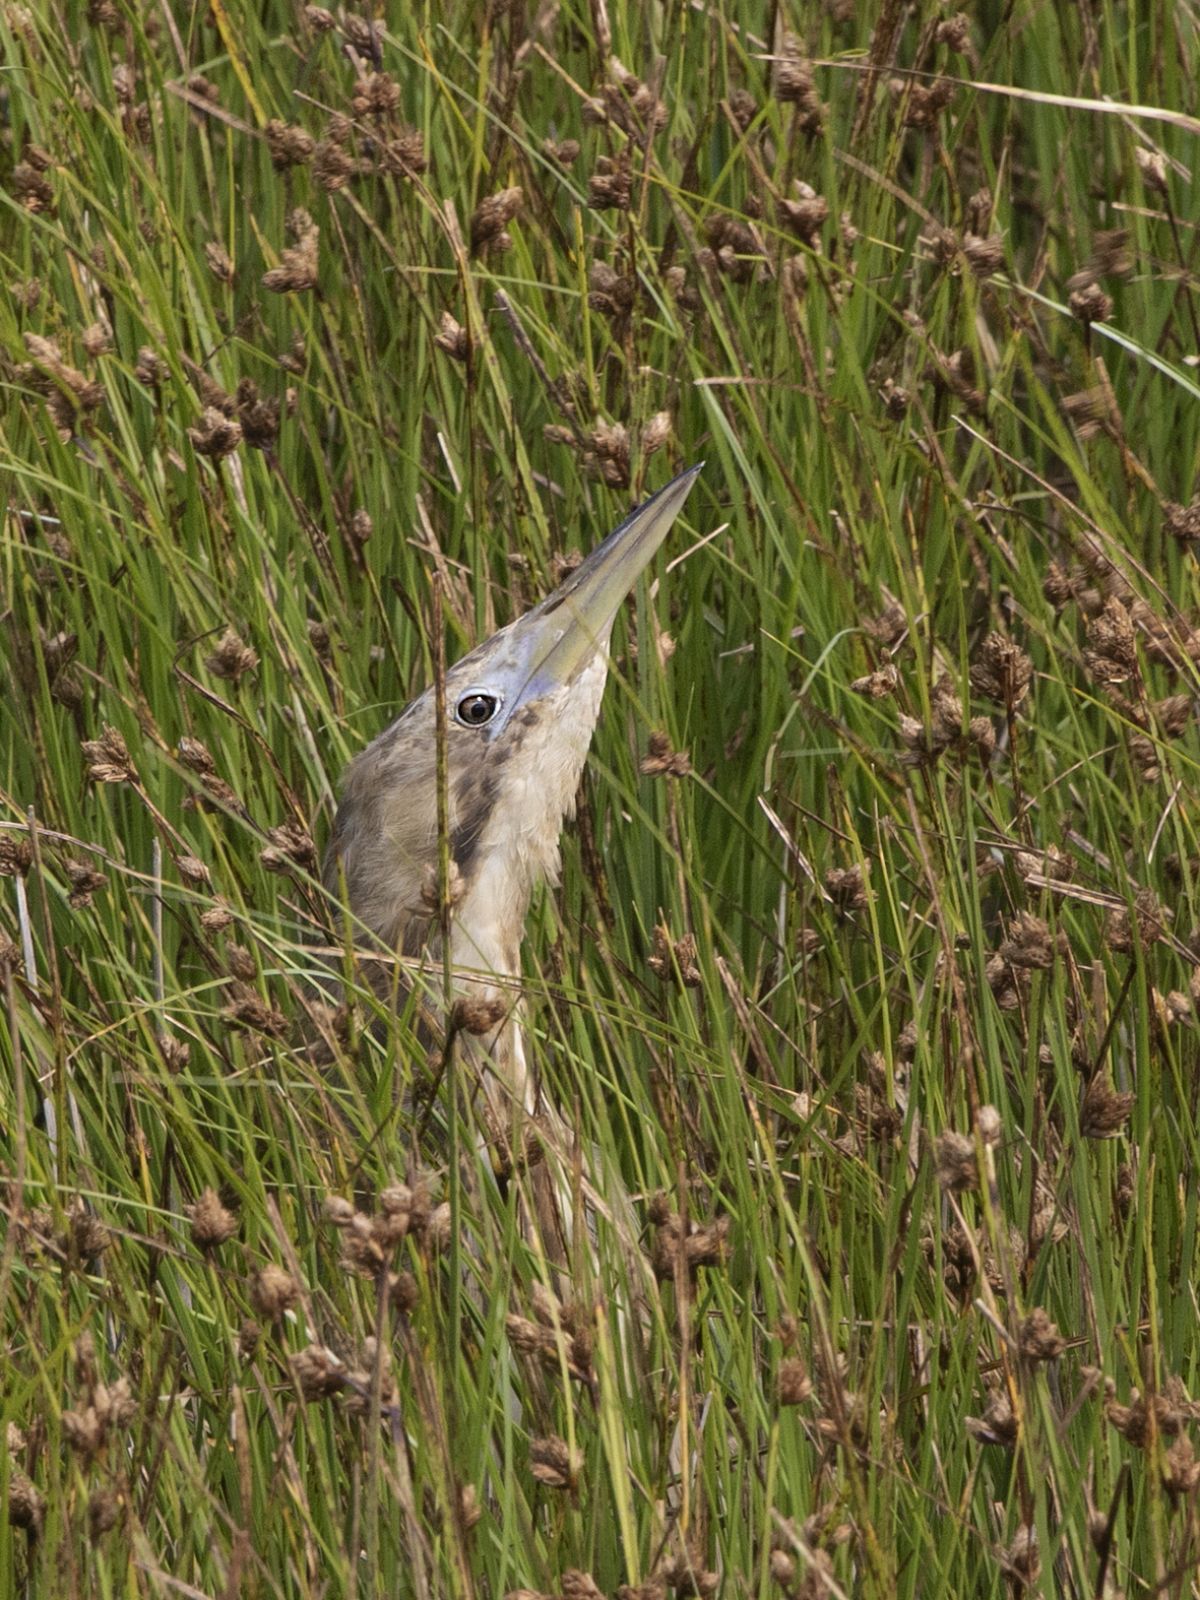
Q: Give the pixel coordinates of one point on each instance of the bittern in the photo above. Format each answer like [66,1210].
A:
[519,715]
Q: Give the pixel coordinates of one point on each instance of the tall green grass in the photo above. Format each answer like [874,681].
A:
[916,884]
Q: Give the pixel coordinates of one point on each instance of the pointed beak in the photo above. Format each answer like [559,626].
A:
[571,624]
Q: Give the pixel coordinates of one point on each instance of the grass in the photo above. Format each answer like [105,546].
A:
[913,1073]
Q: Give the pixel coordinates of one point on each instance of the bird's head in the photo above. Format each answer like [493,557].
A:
[519,715]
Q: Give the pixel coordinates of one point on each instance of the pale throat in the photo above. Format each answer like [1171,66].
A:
[519,846]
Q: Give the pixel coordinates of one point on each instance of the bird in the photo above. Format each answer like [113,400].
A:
[518,716]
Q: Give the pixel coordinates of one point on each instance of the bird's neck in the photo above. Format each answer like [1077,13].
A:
[518,844]
[485,951]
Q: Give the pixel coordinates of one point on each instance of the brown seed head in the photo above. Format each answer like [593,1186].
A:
[83,1431]
[955,33]
[363,36]
[795,1385]
[675,956]
[318,1373]
[107,1409]
[656,433]
[955,374]
[437,1229]
[469,1510]
[1152,164]
[610,186]
[339,1211]
[578,1585]
[259,418]
[793,84]
[84,881]
[1182,522]
[989,1125]
[26,293]
[1149,923]
[232,658]
[215,435]
[246,1009]
[1090,304]
[333,165]
[878,684]
[631,104]
[403,1293]
[175,1053]
[1174,1007]
[30,189]
[376,94]
[1111,257]
[1007,982]
[661,760]
[16,855]
[1001,671]
[688,1577]
[479,1014]
[1180,1469]
[805,218]
[1060,586]
[403,156]
[96,339]
[608,453]
[1038,1339]
[1105,1110]
[943,246]
[983,737]
[104,1512]
[70,395]
[922,106]
[847,888]
[783,1569]
[889,627]
[945,714]
[1029,943]
[273,1292]
[1174,715]
[493,215]
[955,1162]
[290,846]
[743,108]
[998,1425]
[1022,1558]
[453,338]
[1111,655]
[529,1338]
[219,262]
[191,869]
[212,1223]
[297,269]
[289,145]
[26,1507]
[564,153]
[702,1245]
[108,759]
[195,756]
[554,1464]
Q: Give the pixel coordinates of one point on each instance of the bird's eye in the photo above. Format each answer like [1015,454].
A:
[476,710]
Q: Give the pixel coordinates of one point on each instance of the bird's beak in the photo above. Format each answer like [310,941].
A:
[575,621]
